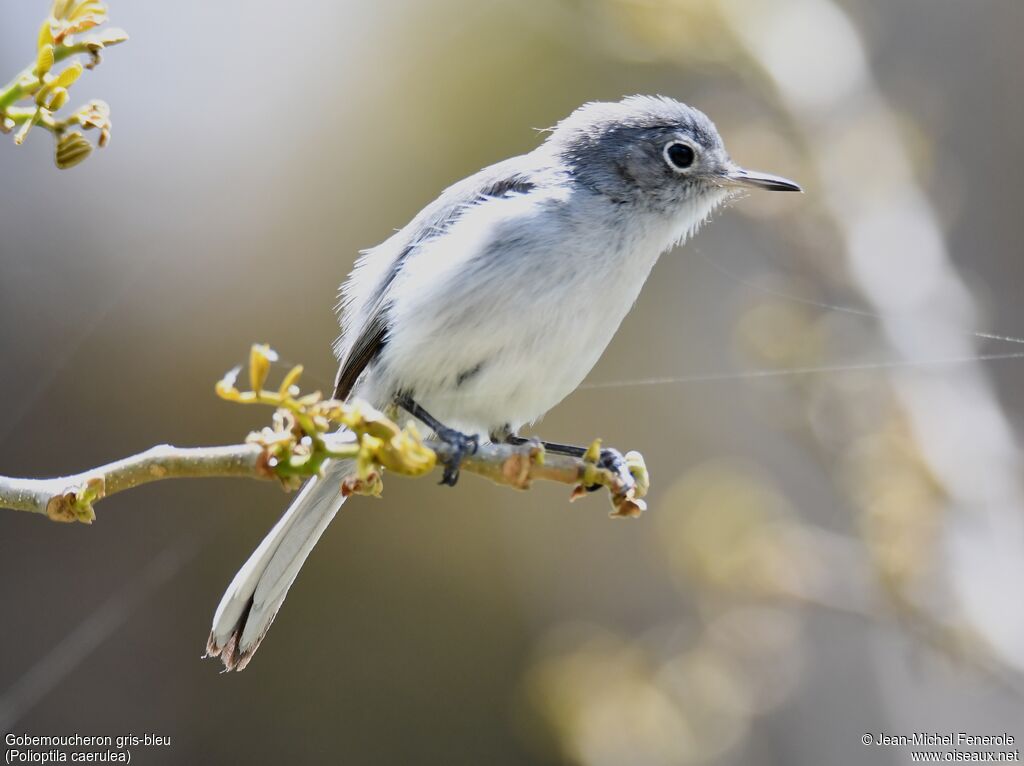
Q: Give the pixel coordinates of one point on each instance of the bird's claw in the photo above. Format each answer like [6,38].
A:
[612,460]
[460,445]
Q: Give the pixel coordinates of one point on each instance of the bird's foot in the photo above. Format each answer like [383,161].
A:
[612,460]
[460,445]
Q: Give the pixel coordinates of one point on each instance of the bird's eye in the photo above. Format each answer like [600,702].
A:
[679,155]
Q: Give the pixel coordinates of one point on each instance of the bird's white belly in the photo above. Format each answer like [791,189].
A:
[499,336]
[520,361]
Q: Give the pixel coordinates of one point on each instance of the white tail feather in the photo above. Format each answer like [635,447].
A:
[251,601]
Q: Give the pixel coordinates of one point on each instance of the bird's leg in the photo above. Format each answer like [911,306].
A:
[610,459]
[461,444]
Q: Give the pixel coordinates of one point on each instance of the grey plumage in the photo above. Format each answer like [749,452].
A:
[495,181]
[495,301]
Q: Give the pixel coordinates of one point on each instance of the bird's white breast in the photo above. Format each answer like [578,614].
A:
[501,318]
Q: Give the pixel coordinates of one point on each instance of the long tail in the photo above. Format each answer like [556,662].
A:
[250,603]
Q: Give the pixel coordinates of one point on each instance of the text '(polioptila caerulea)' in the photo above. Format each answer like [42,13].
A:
[494,303]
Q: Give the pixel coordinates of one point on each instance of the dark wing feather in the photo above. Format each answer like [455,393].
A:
[366,348]
[495,181]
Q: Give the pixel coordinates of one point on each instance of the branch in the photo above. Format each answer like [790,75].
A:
[71,498]
[302,438]
[518,466]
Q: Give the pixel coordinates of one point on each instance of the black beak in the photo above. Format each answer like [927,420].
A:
[757,180]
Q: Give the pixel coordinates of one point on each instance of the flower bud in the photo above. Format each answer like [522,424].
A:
[72,149]
[44,60]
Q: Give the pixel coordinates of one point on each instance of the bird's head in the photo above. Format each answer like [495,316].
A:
[653,151]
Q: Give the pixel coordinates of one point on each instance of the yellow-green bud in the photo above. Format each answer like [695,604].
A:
[71,150]
[44,60]
[68,77]
[58,97]
[45,35]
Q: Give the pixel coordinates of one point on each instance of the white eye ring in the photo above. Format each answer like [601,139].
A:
[679,155]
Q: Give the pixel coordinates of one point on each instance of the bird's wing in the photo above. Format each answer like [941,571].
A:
[366,295]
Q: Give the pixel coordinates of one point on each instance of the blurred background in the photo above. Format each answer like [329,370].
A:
[835,541]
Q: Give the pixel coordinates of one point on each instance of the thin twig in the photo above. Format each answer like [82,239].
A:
[71,498]
[69,32]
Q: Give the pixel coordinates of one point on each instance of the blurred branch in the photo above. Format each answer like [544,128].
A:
[61,36]
[303,436]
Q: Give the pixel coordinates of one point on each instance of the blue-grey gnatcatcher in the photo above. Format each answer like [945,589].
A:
[494,303]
